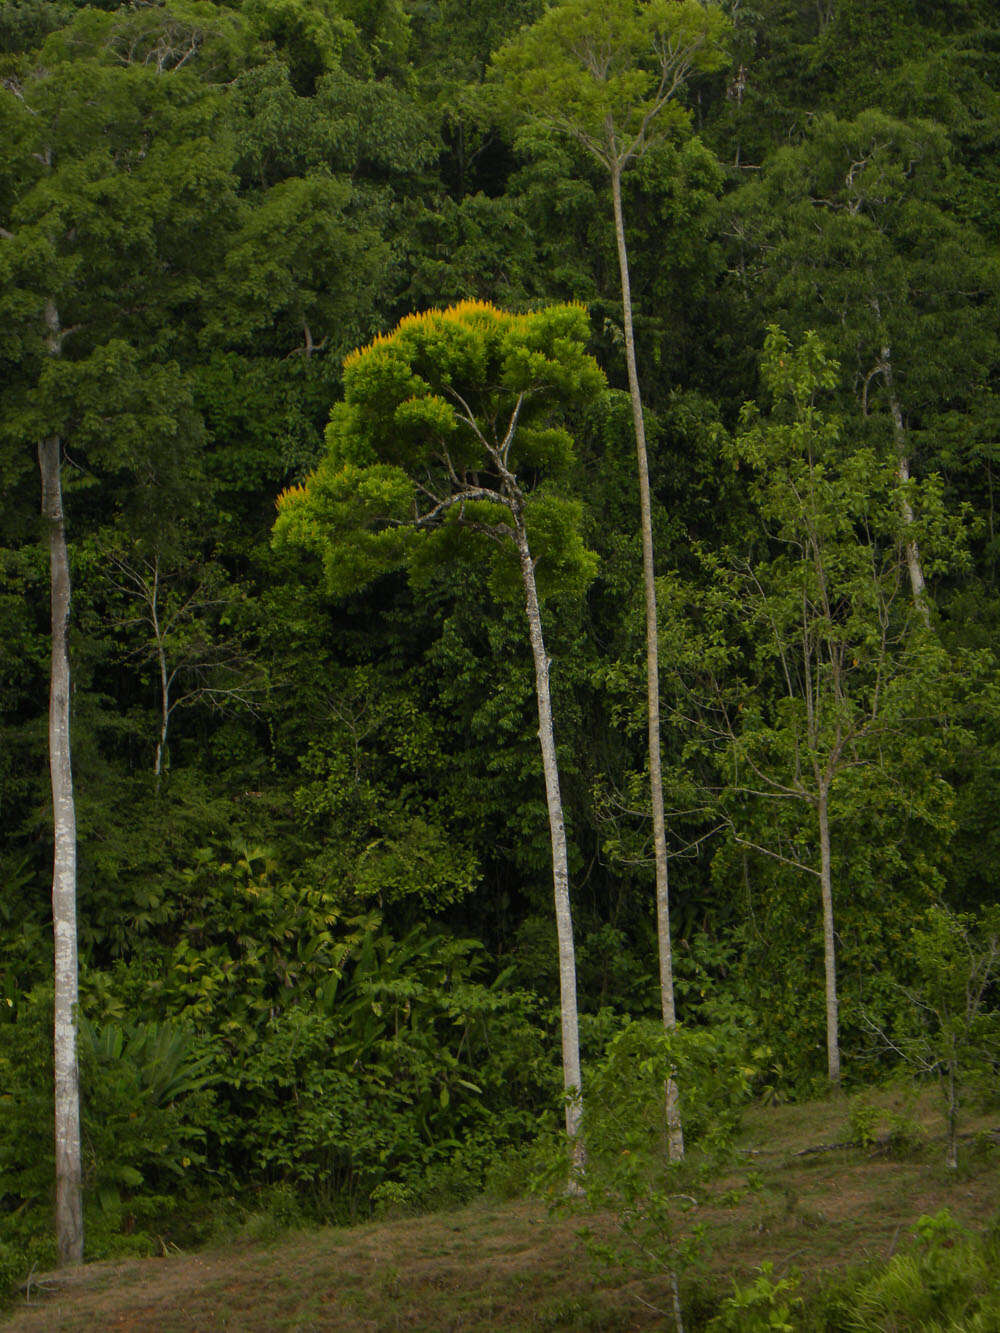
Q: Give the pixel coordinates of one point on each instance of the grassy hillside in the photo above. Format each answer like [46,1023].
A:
[511,1265]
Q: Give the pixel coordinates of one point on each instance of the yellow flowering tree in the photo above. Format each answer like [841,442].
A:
[451,434]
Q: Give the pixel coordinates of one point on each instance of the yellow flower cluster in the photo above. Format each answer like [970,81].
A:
[459,313]
[290,494]
[462,312]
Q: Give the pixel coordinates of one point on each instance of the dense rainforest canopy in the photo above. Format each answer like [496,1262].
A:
[317,945]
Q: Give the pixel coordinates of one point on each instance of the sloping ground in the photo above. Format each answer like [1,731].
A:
[479,1268]
[511,1266]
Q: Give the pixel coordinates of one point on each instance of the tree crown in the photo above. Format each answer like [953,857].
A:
[453,420]
[603,73]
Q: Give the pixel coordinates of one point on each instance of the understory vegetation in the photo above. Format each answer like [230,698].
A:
[370,258]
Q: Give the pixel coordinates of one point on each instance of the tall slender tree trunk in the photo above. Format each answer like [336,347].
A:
[913,565]
[829,939]
[951,1150]
[161,662]
[675,1297]
[560,862]
[161,744]
[69,1204]
[675,1131]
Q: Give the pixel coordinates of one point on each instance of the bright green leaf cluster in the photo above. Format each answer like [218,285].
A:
[602,71]
[414,448]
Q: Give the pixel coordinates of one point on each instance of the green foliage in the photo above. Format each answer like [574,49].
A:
[872,1125]
[144,1105]
[760,1305]
[304,266]
[712,1069]
[387,1079]
[802,664]
[195,35]
[219,200]
[311,38]
[865,244]
[26,1098]
[944,1280]
[11,1273]
[601,72]
[158,1059]
[145,1102]
[627,1171]
[948,1029]
[408,461]
[247,942]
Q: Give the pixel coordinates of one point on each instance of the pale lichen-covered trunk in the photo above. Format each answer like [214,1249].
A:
[674,1127]
[560,861]
[161,744]
[951,1150]
[69,1205]
[912,550]
[161,662]
[829,939]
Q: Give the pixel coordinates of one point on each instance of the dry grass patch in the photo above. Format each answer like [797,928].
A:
[514,1267]
[480,1267]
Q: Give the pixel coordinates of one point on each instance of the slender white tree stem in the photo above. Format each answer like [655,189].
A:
[829,939]
[914,567]
[560,861]
[674,1126]
[69,1204]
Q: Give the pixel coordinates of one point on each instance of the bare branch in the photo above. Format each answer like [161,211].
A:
[769,851]
[511,431]
[449,502]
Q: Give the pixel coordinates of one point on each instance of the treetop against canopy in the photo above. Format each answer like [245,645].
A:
[443,387]
[472,339]
[459,314]
[454,417]
[608,72]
